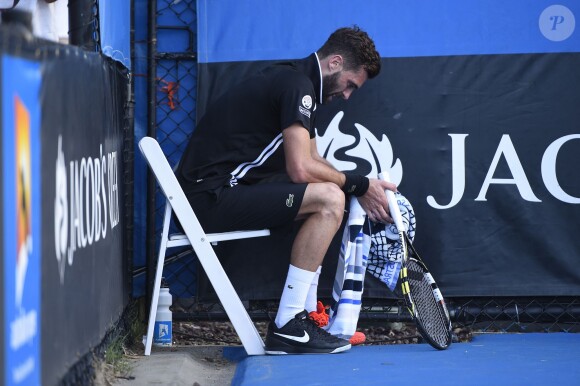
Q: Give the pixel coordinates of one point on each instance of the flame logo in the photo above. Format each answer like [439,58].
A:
[361,151]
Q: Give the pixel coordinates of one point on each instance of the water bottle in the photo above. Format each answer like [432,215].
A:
[162,334]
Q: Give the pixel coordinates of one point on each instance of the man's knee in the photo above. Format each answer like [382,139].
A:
[332,200]
[324,198]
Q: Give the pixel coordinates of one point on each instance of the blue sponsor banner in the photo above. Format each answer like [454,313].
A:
[230,30]
[22,220]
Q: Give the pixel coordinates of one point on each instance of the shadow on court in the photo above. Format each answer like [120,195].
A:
[489,359]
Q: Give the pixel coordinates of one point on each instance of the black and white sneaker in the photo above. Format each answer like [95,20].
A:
[301,335]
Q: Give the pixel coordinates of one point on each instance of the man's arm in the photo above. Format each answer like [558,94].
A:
[305,165]
[301,166]
[316,155]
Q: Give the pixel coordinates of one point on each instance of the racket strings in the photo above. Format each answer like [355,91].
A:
[429,311]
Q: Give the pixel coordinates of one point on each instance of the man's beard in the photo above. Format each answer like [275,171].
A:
[330,86]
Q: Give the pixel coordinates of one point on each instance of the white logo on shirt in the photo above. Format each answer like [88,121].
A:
[307,101]
[304,111]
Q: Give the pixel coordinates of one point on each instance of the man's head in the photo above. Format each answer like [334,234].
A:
[347,59]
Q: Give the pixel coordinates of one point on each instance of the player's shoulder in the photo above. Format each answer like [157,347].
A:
[287,74]
[291,79]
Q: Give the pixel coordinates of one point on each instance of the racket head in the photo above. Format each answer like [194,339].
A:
[425,301]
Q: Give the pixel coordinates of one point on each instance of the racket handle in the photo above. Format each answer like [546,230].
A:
[393,205]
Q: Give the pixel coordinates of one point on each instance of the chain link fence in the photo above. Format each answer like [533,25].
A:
[175,84]
[174,89]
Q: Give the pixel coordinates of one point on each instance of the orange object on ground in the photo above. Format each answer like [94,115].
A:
[357,338]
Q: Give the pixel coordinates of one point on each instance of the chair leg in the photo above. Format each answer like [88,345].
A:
[158,276]
[249,335]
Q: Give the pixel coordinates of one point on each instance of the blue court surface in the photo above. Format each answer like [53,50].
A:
[489,359]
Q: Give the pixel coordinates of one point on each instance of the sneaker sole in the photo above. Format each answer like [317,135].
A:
[295,350]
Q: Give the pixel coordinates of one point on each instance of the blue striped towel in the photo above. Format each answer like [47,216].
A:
[366,246]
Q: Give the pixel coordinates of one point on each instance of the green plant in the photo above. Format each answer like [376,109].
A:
[115,356]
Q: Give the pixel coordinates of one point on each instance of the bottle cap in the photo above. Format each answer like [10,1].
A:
[18,16]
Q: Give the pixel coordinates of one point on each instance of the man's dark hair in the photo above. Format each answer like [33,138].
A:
[356,48]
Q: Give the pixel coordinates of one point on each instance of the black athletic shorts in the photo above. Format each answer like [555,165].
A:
[248,207]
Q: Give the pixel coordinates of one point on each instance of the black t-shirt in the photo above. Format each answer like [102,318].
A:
[239,138]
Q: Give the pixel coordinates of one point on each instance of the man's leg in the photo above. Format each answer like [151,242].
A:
[322,208]
[268,205]
[293,331]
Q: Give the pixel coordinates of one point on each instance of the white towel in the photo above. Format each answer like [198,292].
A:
[363,248]
[385,254]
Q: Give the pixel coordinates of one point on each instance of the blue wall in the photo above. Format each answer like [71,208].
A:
[265,30]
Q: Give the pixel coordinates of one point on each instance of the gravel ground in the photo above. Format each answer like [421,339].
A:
[221,333]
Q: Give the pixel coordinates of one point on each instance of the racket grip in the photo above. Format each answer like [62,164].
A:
[393,204]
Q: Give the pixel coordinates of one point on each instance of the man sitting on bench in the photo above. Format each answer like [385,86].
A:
[253,160]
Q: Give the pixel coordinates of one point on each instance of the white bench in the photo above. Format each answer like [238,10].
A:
[201,244]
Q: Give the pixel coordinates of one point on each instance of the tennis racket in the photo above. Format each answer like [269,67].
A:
[420,291]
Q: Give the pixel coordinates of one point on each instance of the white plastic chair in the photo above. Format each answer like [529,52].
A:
[201,244]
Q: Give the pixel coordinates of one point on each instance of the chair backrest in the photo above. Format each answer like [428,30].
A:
[230,300]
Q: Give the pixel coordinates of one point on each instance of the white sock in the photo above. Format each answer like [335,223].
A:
[312,297]
[294,295]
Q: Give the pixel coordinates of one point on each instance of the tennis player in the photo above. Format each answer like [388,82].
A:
[253,160]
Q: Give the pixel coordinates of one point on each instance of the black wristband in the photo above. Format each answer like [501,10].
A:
[355,184]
